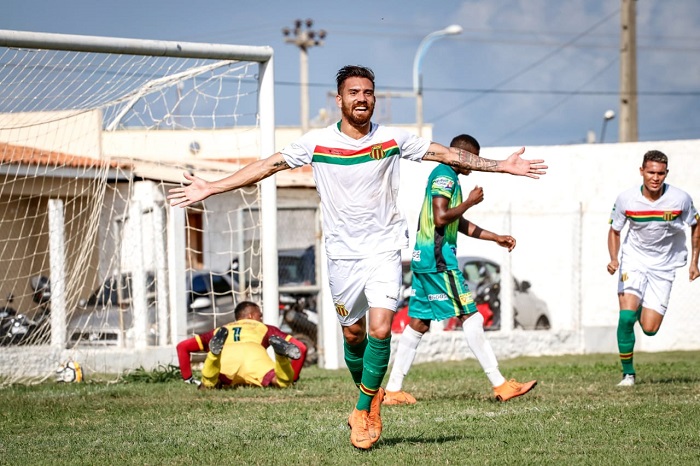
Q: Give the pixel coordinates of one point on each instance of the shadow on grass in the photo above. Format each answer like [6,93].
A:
[391,441]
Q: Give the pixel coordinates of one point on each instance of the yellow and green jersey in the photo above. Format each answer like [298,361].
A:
[436,248]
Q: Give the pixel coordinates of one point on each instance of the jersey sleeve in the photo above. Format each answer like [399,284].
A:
[690,213]
[185,348]
[442,183]
[413,147]
[299,152]
[617,216]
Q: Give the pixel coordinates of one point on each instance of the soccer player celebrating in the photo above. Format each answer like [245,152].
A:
[356,169]
[653,249]
[237,353]
[439,291]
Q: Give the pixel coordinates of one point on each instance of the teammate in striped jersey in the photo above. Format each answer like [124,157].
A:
[654,247]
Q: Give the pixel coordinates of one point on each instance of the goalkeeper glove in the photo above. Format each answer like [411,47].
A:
[193,381]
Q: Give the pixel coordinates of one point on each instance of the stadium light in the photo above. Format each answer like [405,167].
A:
[451,30]
[607,116]
[304,37]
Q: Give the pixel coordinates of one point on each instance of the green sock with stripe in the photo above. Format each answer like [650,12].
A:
[376,362]
[626,339]
[354,356]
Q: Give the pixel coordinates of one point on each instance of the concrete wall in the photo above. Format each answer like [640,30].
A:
[560,223]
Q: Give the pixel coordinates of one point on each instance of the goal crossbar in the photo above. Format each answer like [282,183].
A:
[97,44]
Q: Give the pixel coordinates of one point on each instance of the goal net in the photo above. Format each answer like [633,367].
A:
[96,267]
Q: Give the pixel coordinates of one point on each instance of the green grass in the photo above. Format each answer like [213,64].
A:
[575,415]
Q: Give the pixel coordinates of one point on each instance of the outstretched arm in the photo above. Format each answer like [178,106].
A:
[613,250]
[465,160]
[695,245]
[199,189]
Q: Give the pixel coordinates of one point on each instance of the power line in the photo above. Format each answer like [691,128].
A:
[558,104]
[531,66]
[399,89]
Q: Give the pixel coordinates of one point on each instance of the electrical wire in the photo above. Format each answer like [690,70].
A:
[529,67]
[558,104]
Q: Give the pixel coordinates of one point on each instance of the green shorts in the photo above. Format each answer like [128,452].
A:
[439,296]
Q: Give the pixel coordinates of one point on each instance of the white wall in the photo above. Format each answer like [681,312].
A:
[562,252]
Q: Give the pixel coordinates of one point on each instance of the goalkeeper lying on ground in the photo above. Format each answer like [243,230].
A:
[237,353]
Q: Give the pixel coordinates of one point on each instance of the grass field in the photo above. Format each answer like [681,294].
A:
[575,415]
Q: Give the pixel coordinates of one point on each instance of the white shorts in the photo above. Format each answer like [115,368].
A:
[359,284]
[653,288]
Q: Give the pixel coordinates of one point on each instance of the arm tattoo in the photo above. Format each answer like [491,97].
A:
[282,165]
[470,161]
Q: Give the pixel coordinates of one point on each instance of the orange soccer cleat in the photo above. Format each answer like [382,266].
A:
[398,398]
[359,425]
[375,418]
[512,388]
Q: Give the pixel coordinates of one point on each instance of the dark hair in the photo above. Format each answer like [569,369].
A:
[244,308]
[655,156]
[352,71]
[466,142]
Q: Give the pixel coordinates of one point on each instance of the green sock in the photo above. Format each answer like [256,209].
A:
[376,361]
[626,339]
[353,359]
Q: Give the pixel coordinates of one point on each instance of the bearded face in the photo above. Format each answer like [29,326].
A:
[356,101]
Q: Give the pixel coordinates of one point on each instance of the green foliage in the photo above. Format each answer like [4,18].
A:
[576,415]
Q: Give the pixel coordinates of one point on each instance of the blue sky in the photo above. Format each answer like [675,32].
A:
[523,72]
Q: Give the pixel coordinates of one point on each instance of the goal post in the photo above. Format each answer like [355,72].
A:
[93,133]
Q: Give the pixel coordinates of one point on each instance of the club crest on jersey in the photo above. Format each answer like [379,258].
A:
[415,255]
[341,310]
[668,216]
[377,152]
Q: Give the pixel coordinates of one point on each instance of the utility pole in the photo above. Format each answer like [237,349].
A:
[628,72]
[304,38]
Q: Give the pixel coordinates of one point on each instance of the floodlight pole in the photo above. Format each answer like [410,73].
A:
[304,39]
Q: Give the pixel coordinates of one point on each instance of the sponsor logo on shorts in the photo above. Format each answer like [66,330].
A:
[466,298]
[393,298]
[340,309]
[377,152]
[624,277]
[438,297]
[443,183]
[416,256]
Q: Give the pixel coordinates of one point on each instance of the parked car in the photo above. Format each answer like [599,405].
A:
[105,317]
[484,279]
[297,266]
[483,276]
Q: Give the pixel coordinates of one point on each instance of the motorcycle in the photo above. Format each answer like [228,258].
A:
[17,328]
[298,318]
[7,314]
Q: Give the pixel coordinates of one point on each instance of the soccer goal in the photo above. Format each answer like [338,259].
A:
[96,267]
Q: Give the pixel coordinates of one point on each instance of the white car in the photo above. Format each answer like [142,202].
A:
[484,278]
